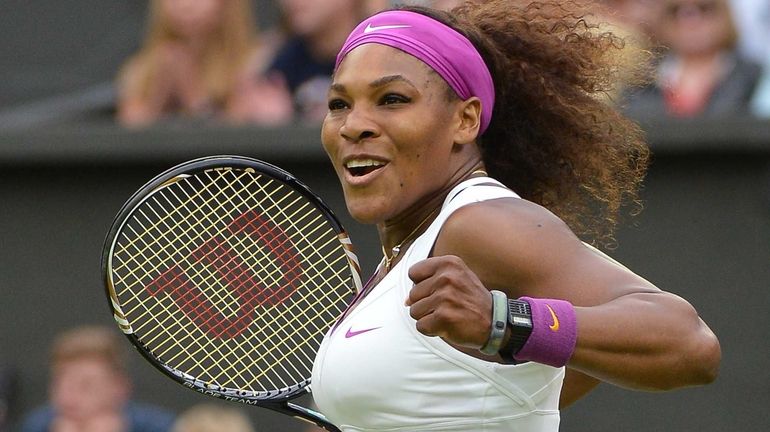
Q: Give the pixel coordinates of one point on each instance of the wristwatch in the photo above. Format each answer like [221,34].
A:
[520,323]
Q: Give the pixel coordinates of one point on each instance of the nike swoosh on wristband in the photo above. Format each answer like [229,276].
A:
[350,333]
[370,28]
[555,325]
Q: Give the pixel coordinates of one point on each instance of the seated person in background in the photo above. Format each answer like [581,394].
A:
[201,59]
[701,73]
[631,21]
[640,16]
[752,17]
[760,101]
[316,31]
[90,389]
[210,417]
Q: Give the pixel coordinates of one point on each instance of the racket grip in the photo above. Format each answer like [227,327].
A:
[310,416]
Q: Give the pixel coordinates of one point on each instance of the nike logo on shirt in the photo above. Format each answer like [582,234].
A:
[350,333]
[370,28]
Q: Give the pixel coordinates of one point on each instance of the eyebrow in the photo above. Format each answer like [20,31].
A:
[389,79]
[379,82]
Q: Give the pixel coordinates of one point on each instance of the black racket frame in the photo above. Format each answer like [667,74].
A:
[277,400]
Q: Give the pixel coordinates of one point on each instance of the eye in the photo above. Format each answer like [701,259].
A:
[394,98]
[337,104]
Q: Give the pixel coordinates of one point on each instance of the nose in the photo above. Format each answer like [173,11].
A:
[358,125]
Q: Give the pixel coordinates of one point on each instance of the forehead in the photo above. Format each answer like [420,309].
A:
[371,61]
[89,365]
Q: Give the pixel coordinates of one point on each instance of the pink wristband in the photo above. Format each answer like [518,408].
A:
[554,332]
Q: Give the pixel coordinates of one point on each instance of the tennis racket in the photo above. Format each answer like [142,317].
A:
[225,273]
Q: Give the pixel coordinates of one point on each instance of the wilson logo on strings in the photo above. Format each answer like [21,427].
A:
[235,276]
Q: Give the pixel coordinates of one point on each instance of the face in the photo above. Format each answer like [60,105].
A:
[694,27]
[85,387]
[193,18]
[390,132]
[638,14]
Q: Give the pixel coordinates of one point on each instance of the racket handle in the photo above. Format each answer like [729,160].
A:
[311,416]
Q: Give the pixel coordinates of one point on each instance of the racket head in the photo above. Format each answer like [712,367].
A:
[225,272]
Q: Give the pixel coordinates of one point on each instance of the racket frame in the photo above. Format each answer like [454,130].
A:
[277,400]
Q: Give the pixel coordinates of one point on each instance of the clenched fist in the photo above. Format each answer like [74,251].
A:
[449,300]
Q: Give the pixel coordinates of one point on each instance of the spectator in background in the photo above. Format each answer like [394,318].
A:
[305,61]
[752,18]
[638,16]
[760,102]
[90,388]
[630,20]
[701,73]
[201,59]
[209,417]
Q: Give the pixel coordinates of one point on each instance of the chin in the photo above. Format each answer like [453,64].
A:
[363,216]
[363,212]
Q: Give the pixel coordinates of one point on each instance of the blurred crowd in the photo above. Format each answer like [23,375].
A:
[90,390]
[206,59]
[234,62]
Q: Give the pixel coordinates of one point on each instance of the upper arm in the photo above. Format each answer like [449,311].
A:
[521,248]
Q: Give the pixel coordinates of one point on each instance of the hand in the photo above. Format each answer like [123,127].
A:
[264,100]
[449,300]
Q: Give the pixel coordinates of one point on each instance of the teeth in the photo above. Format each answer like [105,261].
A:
[363,163]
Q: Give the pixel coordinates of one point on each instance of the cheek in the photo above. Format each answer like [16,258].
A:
[329,133]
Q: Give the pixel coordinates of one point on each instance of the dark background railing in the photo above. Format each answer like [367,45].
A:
[704,234]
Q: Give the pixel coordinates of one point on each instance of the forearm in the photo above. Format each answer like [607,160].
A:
[576,385]
[645,341]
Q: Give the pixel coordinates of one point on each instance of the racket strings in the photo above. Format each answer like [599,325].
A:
[184,249]
[197,214]
[247,339]
[287,324]
[286,329]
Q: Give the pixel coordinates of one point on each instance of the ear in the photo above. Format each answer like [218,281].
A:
[469,121]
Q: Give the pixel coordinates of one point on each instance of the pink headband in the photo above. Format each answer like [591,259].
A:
[442,48]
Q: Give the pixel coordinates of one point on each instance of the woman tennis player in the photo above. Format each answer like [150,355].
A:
[475,141]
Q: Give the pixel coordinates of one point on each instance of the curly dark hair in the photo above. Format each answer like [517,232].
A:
[554,139]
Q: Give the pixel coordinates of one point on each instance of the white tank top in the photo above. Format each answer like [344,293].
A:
[375,372]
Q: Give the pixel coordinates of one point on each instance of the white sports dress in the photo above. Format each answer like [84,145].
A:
[375,372]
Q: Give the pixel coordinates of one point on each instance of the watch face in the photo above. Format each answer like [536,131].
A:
[522,321]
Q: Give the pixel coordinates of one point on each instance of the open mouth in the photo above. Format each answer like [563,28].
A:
[362,167]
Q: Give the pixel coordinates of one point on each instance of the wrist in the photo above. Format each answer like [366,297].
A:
[519,327]
[554,332]
[499,323]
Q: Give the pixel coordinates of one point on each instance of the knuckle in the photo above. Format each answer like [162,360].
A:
[423,327]
[445,278]
[454,261]
[442,316]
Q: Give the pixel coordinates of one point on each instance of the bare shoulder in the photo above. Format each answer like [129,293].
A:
[523,249]
[509,219]
[507,240]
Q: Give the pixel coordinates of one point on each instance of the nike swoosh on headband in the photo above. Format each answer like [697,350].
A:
[350,333]
[370,28]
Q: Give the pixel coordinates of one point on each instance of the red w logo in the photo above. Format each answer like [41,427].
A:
[237,276]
